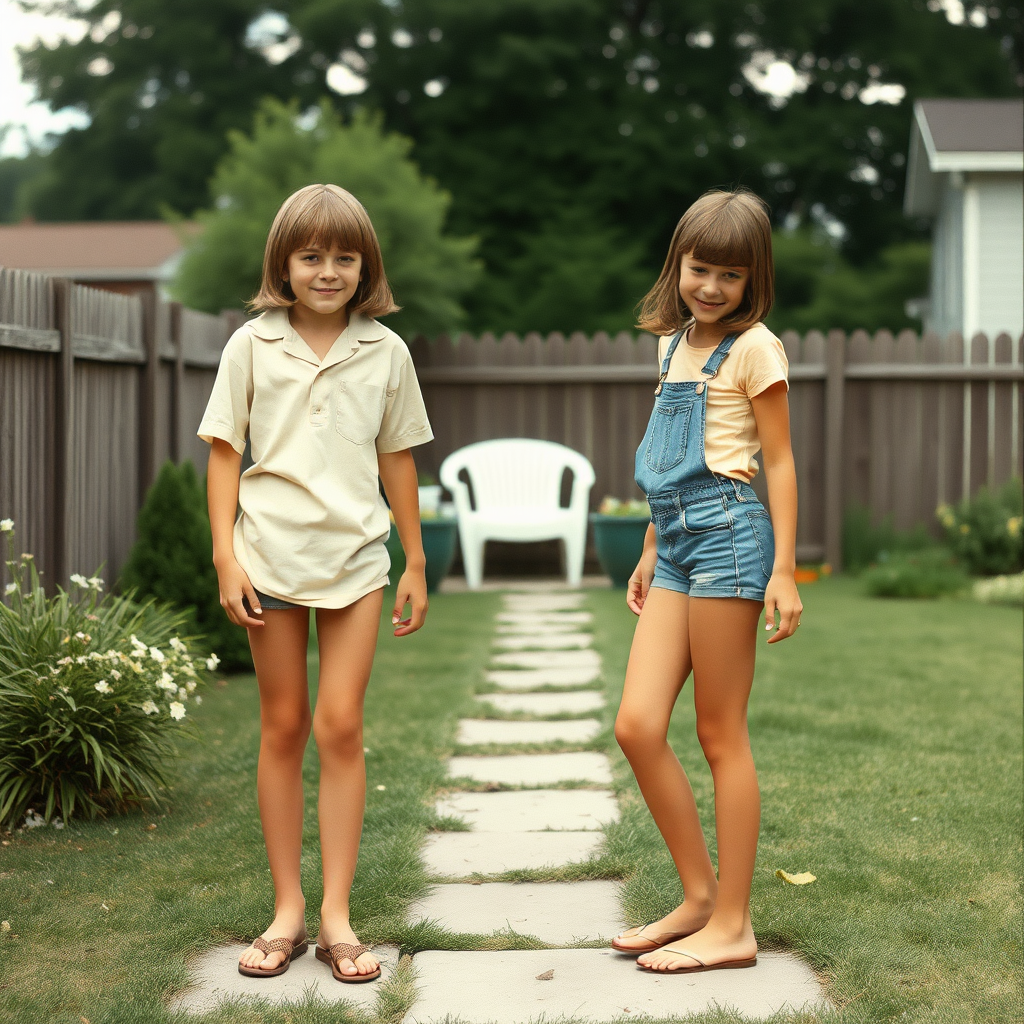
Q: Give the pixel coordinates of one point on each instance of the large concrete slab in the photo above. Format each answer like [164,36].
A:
[555,618]
[597,985]
[559,913]
[532,810]
[474,731]
[537,628]
[458,854]
[574,702]
[534,769]
[530,679]
[544,642]
[548,659]
[543,602]
[215,977]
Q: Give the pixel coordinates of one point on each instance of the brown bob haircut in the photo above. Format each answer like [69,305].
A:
[329,217]
[730,229]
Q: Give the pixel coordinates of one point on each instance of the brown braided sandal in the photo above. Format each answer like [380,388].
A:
[345,951]
[290,949]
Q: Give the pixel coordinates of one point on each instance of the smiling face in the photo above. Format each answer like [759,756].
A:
[710,291]
[324,280]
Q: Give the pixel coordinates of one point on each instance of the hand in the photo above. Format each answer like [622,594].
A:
[781,596]
[234,585]
[412,590]
[640,582]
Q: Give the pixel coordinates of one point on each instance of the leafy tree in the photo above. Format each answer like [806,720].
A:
[172,560]
[14,172]
[428,270]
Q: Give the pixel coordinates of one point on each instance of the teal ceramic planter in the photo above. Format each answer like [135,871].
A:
[620,542]
[439,537]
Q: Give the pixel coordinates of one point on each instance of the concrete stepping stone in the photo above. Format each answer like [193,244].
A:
[542,642]
[530,679]
[597,985]
[215,977]
[571,703]
[457,854]
[537,628]
[548,659]
[534,769]
[546,618]
[474,731]
[532,810]
[559,913]
[543,602]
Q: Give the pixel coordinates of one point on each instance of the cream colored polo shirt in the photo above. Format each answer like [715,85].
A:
[313,523]
[755,362]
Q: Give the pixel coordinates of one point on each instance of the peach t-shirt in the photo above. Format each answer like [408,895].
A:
[755,362]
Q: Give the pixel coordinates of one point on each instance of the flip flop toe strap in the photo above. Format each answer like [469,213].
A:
[346,951]
[684,952]
[274,946]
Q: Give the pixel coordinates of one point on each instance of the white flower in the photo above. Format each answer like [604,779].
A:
[64,661]
[177,645]
[188,669]
[84,637]
[166,682]
[177,710]
[79,580]
[190,685]
[115,674]
[182,693]
[149,707]
[137,643]
[103,686]
[6,525]
[156,654]
[81,660]
[136,667]
[199,700]
[10,588]
[212,662]
[95,582]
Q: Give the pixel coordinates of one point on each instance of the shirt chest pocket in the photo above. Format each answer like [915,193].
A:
[358,411]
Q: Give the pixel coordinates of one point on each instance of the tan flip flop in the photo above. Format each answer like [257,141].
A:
[653,944]
[290,949]
[725,965]
[345,951]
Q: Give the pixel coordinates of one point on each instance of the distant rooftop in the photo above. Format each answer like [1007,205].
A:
[94,250]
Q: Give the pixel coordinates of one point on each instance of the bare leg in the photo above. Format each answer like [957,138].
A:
[659,664]
[279,654]
[723,635]
[348,639]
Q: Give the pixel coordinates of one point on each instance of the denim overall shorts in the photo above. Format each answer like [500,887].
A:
[714,535]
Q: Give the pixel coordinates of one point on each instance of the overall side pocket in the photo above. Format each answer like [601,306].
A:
[764,538]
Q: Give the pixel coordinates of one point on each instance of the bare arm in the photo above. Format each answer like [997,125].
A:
[640,582]
[398,474]
[222,499]
[771,411]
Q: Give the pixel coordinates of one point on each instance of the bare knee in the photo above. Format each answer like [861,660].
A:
[284,733]
[722,740]
[338,731]
[636,733]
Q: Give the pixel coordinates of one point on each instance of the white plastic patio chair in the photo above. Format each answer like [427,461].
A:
[516,489]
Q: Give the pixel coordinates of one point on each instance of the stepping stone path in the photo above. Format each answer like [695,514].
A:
[542,645]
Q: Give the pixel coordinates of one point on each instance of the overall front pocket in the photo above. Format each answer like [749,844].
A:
[705,516]
[359,411]
[669,431]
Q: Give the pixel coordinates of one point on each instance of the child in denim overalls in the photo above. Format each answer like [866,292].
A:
[711,558]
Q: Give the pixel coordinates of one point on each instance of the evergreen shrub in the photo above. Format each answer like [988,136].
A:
[172,561]
[92,691]
[929,572]
[985,532]
[866,543]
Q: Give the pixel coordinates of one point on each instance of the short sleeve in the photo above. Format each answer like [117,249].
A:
[405,421]
[227,412]
[765,364]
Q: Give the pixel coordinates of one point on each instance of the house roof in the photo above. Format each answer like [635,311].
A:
[94,250]
[961,136]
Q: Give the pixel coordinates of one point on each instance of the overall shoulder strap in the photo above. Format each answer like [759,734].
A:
[672,346]
[715,360]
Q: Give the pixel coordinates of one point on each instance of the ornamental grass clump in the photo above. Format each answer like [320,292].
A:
[92,692]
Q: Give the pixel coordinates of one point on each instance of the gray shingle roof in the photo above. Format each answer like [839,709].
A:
[975,126]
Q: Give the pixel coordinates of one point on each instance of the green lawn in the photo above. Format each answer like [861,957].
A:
[888,738]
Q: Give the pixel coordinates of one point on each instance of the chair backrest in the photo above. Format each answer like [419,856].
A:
[516,472]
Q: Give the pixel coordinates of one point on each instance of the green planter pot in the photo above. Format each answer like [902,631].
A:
[439,537]
[619,541]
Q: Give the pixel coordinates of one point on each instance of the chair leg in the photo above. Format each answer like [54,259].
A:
[472,558]
[575,548]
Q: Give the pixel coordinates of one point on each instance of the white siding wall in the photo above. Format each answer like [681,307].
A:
[1000,270]
[946,306]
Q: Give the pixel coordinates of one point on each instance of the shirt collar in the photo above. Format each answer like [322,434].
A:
[275,326]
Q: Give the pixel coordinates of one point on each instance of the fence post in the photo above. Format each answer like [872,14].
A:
[835,394]
[178,389]
[64,413]
[148,396]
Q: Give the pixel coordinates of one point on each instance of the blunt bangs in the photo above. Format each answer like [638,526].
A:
[324,216]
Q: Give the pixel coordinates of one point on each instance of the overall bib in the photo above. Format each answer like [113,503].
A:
[714,535]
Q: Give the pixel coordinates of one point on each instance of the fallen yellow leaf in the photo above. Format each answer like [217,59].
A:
[804,878]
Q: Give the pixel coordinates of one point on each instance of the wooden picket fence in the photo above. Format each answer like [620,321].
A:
[98,389]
